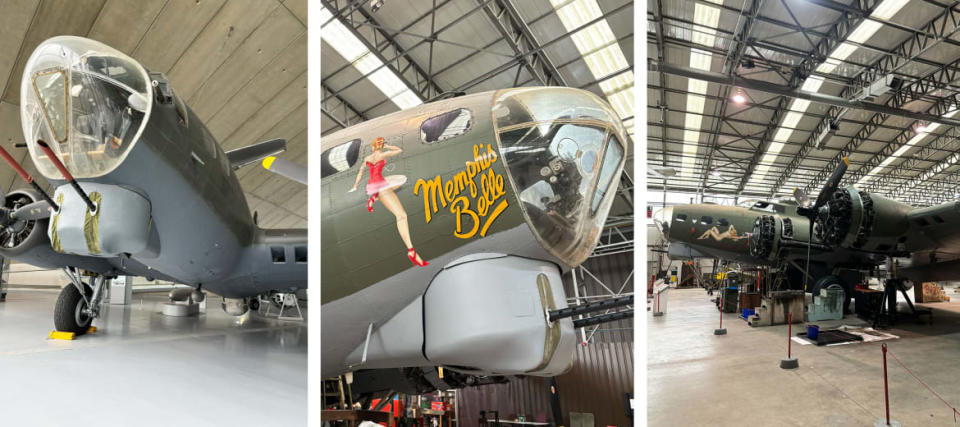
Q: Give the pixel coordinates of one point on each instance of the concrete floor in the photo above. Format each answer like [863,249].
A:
[143,368]
[696,378]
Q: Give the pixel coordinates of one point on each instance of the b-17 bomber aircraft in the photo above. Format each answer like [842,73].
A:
[852,231]
[141,188]
[446,229]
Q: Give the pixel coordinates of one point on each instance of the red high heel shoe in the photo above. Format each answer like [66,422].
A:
[370,202]
[412,254]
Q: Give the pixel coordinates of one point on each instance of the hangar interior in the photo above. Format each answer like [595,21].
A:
[380,57]
[756,109]
[241,66]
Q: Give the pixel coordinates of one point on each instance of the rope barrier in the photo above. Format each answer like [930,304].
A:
[955,411]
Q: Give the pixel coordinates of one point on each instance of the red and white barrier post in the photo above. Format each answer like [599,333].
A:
[790,362]
[721,330]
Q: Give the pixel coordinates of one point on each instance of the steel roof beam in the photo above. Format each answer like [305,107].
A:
[505,18]
[348,108]
[840,30]
[906,51]
[731,64]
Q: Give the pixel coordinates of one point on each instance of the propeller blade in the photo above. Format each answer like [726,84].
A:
[286,169]
[801,197]
[36,210]
[832,183]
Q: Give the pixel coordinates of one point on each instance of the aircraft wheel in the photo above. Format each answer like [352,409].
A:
[254,303]
[834,282]
[68,316]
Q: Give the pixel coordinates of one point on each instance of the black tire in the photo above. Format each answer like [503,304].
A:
[254,303]
[67,316]
[832,281]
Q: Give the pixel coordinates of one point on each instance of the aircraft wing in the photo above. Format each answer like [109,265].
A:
[934,228]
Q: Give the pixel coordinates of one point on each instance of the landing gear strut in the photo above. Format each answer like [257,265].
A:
[78,303]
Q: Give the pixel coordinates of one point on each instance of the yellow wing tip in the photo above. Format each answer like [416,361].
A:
[846,160]
[267,162]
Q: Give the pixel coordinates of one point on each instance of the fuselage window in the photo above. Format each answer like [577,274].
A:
[706,220]
[723,222]
[339,158]
[278,254]
[300,254]
[681,217]
[445,126]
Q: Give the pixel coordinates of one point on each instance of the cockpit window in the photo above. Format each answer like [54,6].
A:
[339,158]
[51,87]
[558,146]
[611,159]
[89,101]
[768,207]
[445,126]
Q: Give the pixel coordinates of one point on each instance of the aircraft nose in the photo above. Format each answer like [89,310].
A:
[662,219]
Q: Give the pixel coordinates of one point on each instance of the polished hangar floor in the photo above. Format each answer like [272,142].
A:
[143,368]
[697,378]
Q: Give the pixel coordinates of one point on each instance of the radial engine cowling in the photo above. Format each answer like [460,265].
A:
[23,237]
[860,220]
[773,232]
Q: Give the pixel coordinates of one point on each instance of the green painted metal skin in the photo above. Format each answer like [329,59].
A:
[691,230]
[361,248]
[921,242]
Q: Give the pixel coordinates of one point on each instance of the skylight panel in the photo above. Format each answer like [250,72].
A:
[600,51]
[354,51]
[866,29]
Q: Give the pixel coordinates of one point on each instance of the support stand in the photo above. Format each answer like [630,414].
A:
[288,301]
[886,314]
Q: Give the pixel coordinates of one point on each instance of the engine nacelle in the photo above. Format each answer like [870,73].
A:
[26,240]
[860,220]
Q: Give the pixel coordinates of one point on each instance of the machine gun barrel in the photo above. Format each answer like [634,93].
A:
[603,318]
[591,307]
[66,174]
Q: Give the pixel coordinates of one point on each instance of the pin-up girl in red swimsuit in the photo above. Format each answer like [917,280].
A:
[380,187]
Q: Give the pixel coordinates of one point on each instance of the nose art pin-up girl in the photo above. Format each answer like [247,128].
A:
[380,187]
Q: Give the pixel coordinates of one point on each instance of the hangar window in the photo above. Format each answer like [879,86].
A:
[445,126]
[278,254]
[300,254]
[339,158]
[706,220]
[681,218]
